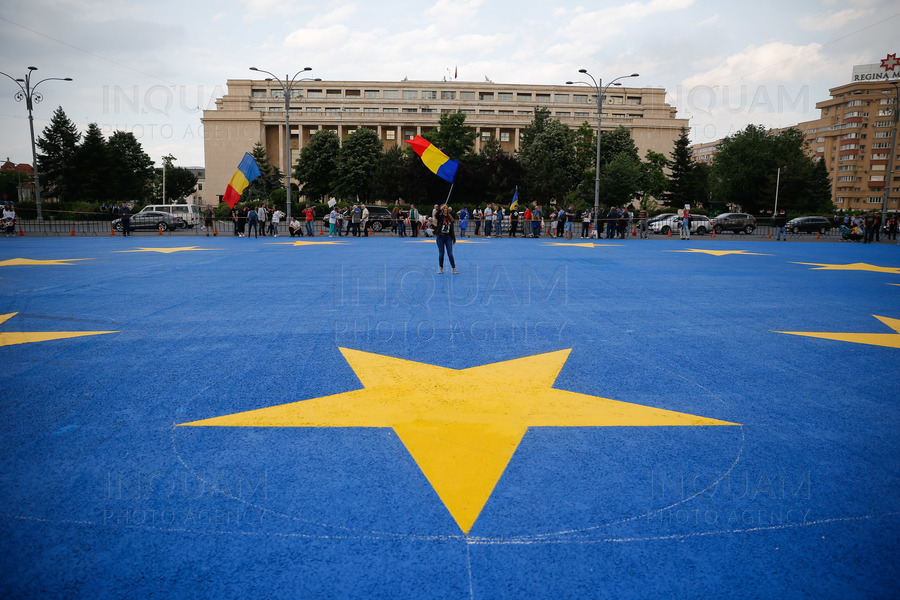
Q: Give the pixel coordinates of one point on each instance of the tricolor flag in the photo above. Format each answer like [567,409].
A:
[514,205]
[440,164]
[246,172]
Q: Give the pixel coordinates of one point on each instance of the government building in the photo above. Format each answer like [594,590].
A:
[253,111]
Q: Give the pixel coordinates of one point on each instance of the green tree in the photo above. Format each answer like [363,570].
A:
[357,163]
[615,142]
[621,180]
[452,136]
[682,180]
[180,182]
[130,168]
[58,144]
[745,170]
[316,168]
[549,161]
[386,183]
[817,194]
[269,176]
[655,180]
[91,162]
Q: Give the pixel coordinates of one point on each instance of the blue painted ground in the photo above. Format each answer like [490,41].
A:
[101,497]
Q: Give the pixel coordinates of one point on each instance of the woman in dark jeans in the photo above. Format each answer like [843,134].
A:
[443,232]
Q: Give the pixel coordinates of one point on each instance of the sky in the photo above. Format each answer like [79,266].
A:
[152,67]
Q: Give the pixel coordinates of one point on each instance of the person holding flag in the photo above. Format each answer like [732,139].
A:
[443,232]
[514,214]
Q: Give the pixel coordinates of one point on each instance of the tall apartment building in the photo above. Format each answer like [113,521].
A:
[253,111]
[854,134]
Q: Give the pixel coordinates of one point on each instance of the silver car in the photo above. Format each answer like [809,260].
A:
[700,225]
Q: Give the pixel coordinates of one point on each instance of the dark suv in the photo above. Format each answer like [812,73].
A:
[736,222]
[809,225]
[379,217]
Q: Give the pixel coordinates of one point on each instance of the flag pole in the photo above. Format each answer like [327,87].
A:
[447,201]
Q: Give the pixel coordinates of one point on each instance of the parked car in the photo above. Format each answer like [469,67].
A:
[700,224]
[809,225]
[736,222]
[379,217]
[191,214]
[152,219]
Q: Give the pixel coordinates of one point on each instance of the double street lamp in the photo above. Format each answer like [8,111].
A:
[30,94]
[288,86]
[597,84]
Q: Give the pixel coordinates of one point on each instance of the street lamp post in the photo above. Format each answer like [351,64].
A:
[28,93]
[288,86]
[597,84]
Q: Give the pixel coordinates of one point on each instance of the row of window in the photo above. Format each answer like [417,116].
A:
[393,110]
[538,97]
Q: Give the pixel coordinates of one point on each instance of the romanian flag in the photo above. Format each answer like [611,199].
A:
[246,172]
[514,205]
[440,164]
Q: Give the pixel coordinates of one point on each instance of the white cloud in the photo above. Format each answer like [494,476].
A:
[832,19]
[338,16]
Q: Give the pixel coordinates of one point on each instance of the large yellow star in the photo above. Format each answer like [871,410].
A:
[581,244]
[720,252]
[27,337]
[852,267]
[889,340]
[305,243]
[170,250]
[14,262]
[460,432]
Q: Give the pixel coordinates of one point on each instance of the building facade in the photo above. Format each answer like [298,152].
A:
[253,111]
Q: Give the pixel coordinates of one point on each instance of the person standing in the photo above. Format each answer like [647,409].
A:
[355,218]
[642,224]
[585,223]
[126,221]
[365,221]
[333,222]
[892,227]
[443,232]
[570,223]
[414,220]
[395,216]
[498,221]
[780,220]
[208,219]
[869,224]
[310,213]
[253,222]
[686,222]
[513,222]
[612,218]
[236,220]
[526,222]
[536,218]
[261,215]
[463,221]
[488,220]
[478,216]
[276,219]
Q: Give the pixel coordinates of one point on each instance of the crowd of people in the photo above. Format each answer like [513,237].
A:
[258,220]
[867,228]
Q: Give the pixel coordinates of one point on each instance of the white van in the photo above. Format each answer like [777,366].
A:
[190,213]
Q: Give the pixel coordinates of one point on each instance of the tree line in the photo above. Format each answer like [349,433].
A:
[555,165]
[92,169]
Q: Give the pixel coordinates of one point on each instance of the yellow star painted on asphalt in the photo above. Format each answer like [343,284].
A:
[888,340]
[460,432]
[852,267]
[581,244]
[170,250]
[8,338]
[719,252]
[305,243]
[14,262]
